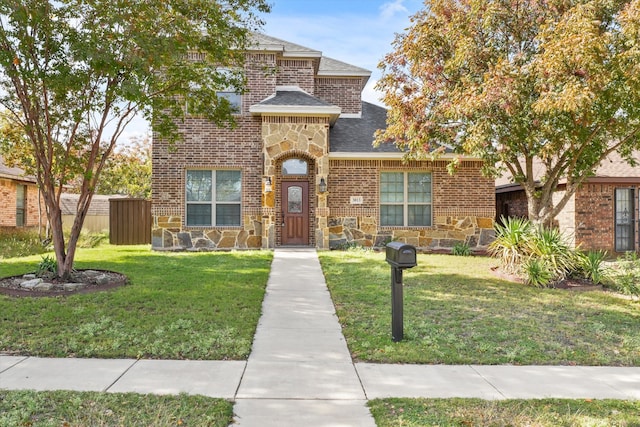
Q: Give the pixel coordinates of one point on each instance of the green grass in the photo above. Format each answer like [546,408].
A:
[457,312]
[79,409]
[476,412]
[177,306]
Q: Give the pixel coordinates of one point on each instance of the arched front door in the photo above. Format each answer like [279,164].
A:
[295,213]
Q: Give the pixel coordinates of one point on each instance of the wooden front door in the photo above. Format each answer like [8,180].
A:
[295,213]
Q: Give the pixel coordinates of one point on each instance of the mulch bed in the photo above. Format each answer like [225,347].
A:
[9,287]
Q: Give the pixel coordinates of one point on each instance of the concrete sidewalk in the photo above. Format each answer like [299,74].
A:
[300,371]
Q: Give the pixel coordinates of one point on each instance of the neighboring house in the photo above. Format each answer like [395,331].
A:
[97,219]
[20,204]
[300,170]
[602,214]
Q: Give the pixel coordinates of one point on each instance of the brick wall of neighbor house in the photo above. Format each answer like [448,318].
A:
[462,206]
[594,207]
[343,92]
[8,205]
[512,204]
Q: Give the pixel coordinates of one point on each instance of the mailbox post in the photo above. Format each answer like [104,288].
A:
[400,256]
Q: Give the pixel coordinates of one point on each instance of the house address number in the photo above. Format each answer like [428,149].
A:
[356,200]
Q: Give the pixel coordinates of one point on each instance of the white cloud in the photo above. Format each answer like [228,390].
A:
[389,9]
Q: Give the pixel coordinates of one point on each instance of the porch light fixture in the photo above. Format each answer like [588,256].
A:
[323,186]
[267,185]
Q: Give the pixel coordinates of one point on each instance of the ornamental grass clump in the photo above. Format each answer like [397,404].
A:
[540,255]
[509,245]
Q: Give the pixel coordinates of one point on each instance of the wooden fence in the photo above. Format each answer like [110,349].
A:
[129,221]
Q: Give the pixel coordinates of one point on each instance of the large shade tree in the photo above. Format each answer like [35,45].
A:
[552,85]
[74,73]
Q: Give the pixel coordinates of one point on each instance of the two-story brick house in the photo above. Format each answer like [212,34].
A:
[300,170]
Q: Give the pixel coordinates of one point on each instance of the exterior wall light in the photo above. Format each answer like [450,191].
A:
[323,186]
[267,185]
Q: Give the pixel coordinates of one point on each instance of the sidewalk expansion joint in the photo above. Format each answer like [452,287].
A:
[121,375]
[487,381]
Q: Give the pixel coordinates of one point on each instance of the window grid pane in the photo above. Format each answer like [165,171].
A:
[199,184]
[419,215]
[228,185]
[199,214]
[419,188]
[391,215]
[392,187]
[227,215]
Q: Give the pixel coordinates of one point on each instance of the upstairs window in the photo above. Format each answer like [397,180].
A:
[213,198]
[229,93]
[405,199]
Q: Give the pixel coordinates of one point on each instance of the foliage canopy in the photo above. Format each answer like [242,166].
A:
[522,84]
[74,73]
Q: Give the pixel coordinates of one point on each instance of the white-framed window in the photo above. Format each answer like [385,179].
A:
[213,198]
[405,199]
[21,205]
[222,78]
[229,93]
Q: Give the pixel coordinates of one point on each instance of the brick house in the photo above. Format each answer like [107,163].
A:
[602,214]
[300,170]
[19,197]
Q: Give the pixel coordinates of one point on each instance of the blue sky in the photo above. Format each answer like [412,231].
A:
[358,32]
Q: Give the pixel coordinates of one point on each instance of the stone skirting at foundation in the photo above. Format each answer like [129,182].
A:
[167,234]
[476,232]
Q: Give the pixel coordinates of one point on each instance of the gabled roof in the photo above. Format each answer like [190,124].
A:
[327,67]
[292,100]
[355,135]
[611,169]
[261,41]
[99,203]
[14,173]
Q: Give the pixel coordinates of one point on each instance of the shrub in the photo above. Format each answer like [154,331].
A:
[461,249]
[550,246]
[537,272]
[510,243]
[20,242]
[47,266]
[627,279]
[591,266]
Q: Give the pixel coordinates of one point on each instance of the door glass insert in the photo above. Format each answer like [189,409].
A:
[294,199]
[625,220]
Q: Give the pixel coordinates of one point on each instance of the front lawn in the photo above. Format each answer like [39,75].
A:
[80,409]
[177,306]
[457,312]
[476,412]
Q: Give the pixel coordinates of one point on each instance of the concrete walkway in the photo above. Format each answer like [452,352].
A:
[300,371]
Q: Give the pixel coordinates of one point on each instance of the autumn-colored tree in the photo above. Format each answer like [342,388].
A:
[518,83]
[70,69]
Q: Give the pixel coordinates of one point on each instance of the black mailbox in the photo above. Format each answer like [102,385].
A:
[401,255]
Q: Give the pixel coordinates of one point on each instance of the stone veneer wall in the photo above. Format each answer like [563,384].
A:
[169,234]
[473,230]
